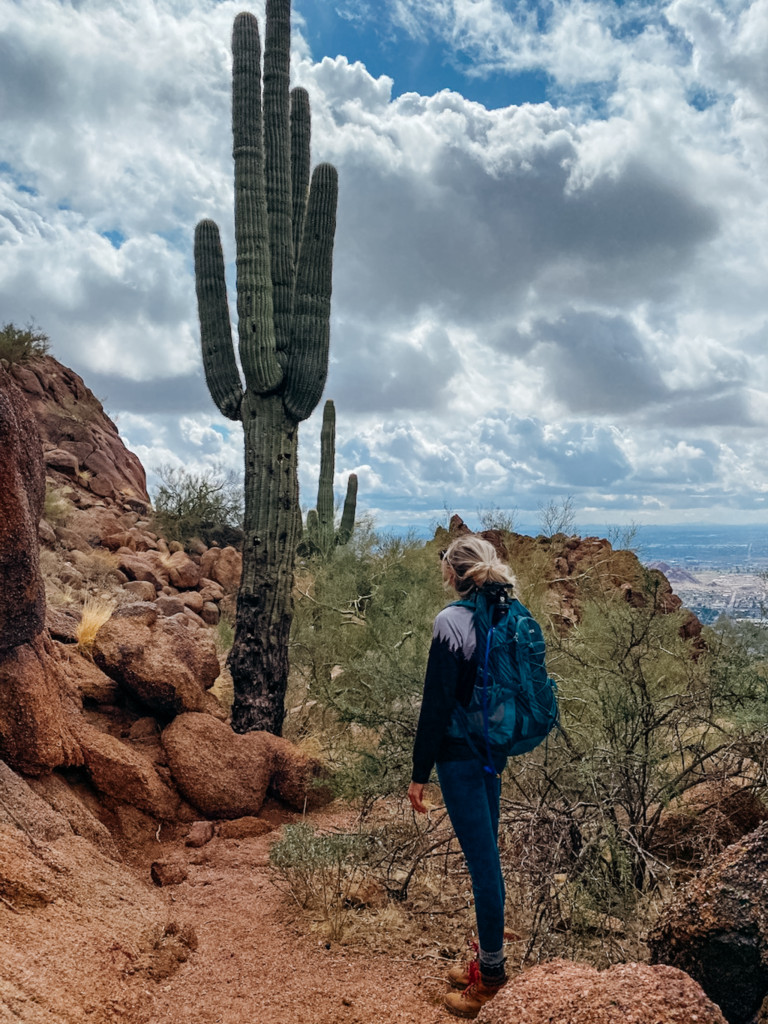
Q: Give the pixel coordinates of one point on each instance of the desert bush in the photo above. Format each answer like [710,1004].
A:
[320,870]
[361,635]
[738,666]
[495,518]
[391,881]
[19,344]
[624,538]
[557,516]
[569,893]
[57,507]
[638,718]
[208,504]
[646,715]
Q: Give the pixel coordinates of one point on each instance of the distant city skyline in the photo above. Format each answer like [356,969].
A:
[550,272]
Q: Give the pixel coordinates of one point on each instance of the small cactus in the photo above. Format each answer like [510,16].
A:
[284,231]
[320,535]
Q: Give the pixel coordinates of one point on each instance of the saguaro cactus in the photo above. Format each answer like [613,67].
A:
[322,535]
[284,231]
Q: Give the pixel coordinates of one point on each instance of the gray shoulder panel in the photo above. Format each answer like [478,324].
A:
[455,626]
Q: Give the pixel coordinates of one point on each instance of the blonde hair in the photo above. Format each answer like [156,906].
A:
[474,562]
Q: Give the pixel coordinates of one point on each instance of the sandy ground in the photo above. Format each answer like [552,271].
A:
[253,963]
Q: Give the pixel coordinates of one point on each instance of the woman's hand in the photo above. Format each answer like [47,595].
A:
[416,796]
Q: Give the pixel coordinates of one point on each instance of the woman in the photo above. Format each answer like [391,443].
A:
[471,793]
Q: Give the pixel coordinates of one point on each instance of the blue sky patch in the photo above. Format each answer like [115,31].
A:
[114,237]
[425,67]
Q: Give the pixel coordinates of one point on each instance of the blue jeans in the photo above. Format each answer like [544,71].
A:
[471,798]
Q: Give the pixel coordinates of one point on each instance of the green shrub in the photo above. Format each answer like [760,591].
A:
[397,881]
[19,344]
[320,870]
[225,635]
[208,505]
[361,636]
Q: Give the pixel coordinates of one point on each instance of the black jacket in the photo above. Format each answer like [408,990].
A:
[450,677]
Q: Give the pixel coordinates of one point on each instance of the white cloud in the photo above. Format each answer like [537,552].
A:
[564,297]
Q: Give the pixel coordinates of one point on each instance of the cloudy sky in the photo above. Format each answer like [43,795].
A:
[551,267]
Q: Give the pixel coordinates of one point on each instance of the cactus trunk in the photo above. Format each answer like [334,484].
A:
[284,235]
[259,654]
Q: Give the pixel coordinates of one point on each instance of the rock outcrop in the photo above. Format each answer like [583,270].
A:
[22,491]
[64,902]
[84,776]
[561,560]
[716,928]
[81,443]
[36,709]
[561,992]
[705,820]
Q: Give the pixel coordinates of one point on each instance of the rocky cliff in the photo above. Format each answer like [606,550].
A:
[81,444]
[109,732]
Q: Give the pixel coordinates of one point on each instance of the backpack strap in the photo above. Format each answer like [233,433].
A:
[489,766]
[481,602]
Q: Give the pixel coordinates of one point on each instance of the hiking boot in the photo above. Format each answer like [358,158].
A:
[458,975]
[462,975]
[468,1003]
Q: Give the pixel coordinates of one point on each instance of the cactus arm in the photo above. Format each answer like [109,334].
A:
[221,372]
[277,167]
[300,139]
[307,367]
[347,525]
[313,531]
[254,283]
[325,484]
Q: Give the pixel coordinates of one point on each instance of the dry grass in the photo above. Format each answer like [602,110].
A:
[57,507]
[223,690]
[96,611]
[69,575]
[98,567]
[58,593]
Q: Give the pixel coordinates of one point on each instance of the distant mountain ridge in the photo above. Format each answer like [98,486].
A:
[672,574]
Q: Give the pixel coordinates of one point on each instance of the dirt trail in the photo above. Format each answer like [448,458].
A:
[254,966]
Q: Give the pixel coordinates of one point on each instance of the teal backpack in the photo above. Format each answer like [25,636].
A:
[513,707]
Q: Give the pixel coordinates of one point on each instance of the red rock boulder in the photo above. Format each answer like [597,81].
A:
[222,773]
[124,774]
[224,566]
[716,928]
[38,710]
[167,666]
[227,774]
[561,992]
